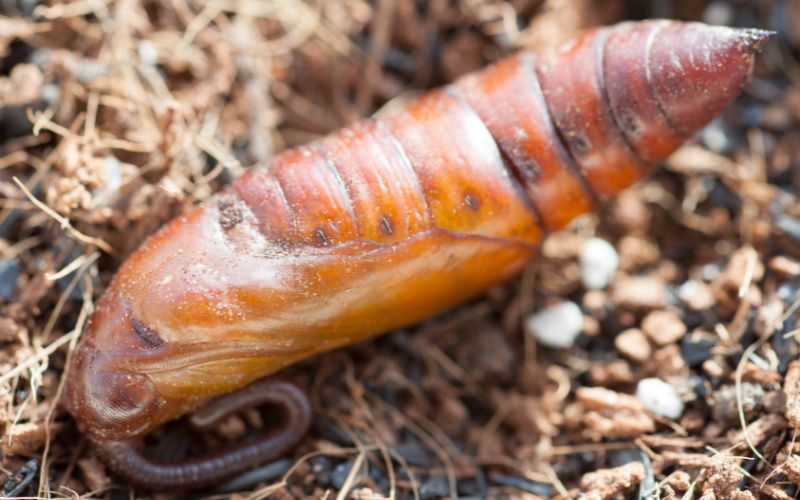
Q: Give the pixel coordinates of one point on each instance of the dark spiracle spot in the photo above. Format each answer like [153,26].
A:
[146,334]
[629,123]
[387,226]
[229,213]
[530,169]
[322,237]
[579,143]
[471,200]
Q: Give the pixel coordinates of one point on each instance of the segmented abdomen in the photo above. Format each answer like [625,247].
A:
[512,151]
[435,166]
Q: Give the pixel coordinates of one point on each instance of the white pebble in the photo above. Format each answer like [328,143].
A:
[148,52]
[106,194]
[659,397]
[599,261]
[557,326]
[719,13]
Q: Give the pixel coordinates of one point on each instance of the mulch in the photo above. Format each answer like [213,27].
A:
[118,115]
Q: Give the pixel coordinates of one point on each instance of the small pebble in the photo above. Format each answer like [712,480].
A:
[635,292]
[557,326]
[667,361]
[148,52]
[533,487]
[713,368]
[660,398]
[663,327]
[711,271]
[342,471]
[9,272]
[474,487]
[595,302]
[790,226]
[451,415]
[636,252]
[784,265]
[697,295]
[726,399]
[701,386]
[50,94]
[377,476]
[630,212]
[680,480]
[616,372]
[107,193]
[9,330]
[253,477]
[489,355]
[633,344]
[714,137]
[744,264]
[16,484]
[330,430]
[321,467]
[719,13]
[599,261]
[435,487]
[415,454]
[696,348]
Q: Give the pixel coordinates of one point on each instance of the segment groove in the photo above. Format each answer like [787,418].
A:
[516,179]
[289,209]
[529,64]
[345,189]
[600,70]
[651,88]
[398,148]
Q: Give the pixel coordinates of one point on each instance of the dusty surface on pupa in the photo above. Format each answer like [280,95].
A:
[132,131]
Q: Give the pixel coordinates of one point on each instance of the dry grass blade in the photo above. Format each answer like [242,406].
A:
[63,222]
[140,109]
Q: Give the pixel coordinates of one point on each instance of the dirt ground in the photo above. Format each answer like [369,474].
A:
[119,114]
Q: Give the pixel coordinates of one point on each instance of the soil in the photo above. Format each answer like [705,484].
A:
[118,115]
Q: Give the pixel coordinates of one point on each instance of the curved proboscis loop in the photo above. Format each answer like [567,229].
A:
[128,458]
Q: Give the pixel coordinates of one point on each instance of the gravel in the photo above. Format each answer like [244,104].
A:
[557,326]
[660,398]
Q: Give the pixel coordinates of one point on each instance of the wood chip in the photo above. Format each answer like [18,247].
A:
[26,438]
[613,414]
[607,483]
[791,467]
[633,344]
[724,475]
[657,441]
[9,330]
[759,430]
[791,387]
[680,480]
[94,472]
[639,293]
[690,460]
[784,265]
[773,491]
[663,327]
[616,372]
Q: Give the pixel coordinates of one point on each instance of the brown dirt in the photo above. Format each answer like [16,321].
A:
[118,115]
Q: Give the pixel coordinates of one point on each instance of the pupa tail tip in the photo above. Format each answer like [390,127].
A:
[754,39]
